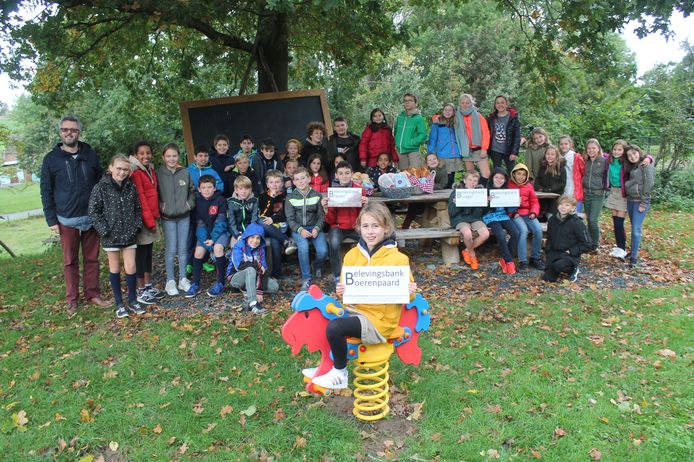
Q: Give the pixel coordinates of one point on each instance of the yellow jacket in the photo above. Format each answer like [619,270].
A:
[385,317]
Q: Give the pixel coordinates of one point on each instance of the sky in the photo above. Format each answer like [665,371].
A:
[650,51]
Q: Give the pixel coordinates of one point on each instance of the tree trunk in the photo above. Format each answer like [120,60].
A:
[272,52]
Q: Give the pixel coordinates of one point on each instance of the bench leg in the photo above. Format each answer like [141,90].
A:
[449,252]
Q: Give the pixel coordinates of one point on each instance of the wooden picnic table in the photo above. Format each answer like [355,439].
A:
[435,222]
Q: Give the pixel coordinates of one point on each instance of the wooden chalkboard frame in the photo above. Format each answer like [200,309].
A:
[185,107]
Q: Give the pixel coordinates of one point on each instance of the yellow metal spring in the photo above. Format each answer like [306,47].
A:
[371,392]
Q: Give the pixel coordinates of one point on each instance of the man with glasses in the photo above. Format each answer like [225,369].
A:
[410,132]
[68,174]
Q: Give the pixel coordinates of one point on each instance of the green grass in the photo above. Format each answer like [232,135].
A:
[585,365]
[24,237]
[20,198]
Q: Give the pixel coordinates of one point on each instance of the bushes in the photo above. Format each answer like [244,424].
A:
[675,189]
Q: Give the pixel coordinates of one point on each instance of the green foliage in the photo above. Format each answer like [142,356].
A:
[675,189]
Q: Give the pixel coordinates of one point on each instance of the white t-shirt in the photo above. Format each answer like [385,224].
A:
[569,166]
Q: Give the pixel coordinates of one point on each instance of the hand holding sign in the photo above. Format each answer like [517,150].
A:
[344,197]
[504,198]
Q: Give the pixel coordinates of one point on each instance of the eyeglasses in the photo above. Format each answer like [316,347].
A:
[69,130]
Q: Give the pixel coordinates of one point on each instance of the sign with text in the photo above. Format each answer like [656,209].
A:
[470,197]
[504,198]
[344,197]
[376,284]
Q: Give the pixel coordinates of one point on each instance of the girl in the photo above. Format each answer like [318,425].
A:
[594,185]
[373,323]
[567,239]
[640,178]
[472,133]
[145,180]
[442,141]
[376,139]
[504,129]
[294,148]
[617,201]
[315,135]
[319,178]
[498,220]
[383,165]
[116,214]
[575,167]
[176,201]
[539,140]
[440,182]
[551,177]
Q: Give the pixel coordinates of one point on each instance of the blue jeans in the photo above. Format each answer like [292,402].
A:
[335,238]
[527,225]
[321,246]
[506,248]
[636,217]
[176,239]
[276,238]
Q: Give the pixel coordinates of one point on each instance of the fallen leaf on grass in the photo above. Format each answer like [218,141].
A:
[595,454]
[110,374]
[417,412]
[209,428]
[20,419]
[250,411]
[667,353]
[300,442]
[113,446]
[279,415]
[493,408]
[225,410]
[596,340]
[157,429]
[87,458]
[85,417]
[536,454]
[182,450]
[559,432]
[197,408]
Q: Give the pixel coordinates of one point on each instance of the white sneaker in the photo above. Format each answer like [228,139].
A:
[289,247]
[615,251]
[621,254]
[334,379]
[171,289]
[184,284]
[309,372]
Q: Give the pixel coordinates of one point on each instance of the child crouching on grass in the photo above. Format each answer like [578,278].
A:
[247,269]
[115,211]
[373,323]
[567,239]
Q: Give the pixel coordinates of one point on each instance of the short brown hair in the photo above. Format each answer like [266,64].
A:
[303,170]
[567,198]
[315,125]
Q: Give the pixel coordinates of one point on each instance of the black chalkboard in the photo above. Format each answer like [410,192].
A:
[280,116]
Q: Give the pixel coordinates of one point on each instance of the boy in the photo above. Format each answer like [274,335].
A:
[247,269]
[243,168]
[341,219]
[212,234]
[468,221]
[201,166]
[221,159]
[242,207]
[290,166]
[305,218]
[567,239]
[269,160]
[410,132]
[525,218]
[345,143]
[246,145]
[274,221]
[315,137]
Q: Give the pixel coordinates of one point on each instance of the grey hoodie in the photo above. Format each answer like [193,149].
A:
[176,192]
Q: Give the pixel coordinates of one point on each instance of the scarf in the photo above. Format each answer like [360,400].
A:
[461,132]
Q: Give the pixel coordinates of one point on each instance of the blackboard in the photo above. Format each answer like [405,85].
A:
[280,116]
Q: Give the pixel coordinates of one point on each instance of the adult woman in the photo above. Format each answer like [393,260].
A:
[472,133]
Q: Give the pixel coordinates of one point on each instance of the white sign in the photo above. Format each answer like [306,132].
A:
[376,284]
[470,197]
[344,197]
[504,198]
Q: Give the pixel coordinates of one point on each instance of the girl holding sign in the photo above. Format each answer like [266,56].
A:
[373,323]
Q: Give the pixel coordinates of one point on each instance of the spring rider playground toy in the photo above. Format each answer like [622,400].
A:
[306,326]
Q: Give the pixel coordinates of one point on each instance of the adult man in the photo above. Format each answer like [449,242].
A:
[344,143]
[68,174]
[410,132]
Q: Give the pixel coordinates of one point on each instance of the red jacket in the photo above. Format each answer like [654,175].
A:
[578,171]
[145,181]
[528,199]
[318,184]
[374,143]
[343,217]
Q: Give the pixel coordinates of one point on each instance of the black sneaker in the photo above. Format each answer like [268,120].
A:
[155,293]
[121,312]
[258,309]
[573,276]
[136,308]
[537,263]
[144,297]
[522,267]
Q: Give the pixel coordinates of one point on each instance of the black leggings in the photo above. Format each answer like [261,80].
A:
[143,260]
[336,332]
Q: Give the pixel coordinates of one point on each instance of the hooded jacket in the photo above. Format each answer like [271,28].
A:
[241,213]
[145,181]
[115,212]
[410,132]
[512,131]
[528,199]
[351,156]
[374,143]
[464,214]
[67,183]
[243,255]
[235,173]
[385,317]
[196,172]
[260,166]
[272,207]
[564,234]
[343,217]
[176,192]
[442,140]
[533,156]
[640,184]
[210,218]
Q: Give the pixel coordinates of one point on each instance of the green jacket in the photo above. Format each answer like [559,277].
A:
[410,132]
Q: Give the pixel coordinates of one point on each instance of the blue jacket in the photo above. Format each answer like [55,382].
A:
[210,218]
[196,172]
[243,253]
[442,141]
